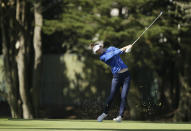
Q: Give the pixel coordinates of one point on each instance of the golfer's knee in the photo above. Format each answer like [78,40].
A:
[123,98]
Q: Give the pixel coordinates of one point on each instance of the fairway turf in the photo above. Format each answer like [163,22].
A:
[88,125]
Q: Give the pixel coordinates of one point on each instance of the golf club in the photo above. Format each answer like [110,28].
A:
[148,27]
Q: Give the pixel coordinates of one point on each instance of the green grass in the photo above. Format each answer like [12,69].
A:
[88,125]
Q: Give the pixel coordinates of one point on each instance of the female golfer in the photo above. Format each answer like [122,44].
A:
[121,76]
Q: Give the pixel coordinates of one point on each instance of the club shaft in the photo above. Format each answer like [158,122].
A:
[147,28]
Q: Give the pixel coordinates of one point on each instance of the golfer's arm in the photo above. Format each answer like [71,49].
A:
[112,54]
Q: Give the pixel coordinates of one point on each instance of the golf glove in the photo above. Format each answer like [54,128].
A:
[128,49]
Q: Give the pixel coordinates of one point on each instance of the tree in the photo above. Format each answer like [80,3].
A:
[37,42]
[74,27]
[183,11]
[8,39]
[18,56]
[23,58]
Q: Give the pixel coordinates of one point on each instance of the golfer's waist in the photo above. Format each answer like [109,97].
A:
[123,73]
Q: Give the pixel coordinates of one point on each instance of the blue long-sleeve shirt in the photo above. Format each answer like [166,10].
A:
[112,58]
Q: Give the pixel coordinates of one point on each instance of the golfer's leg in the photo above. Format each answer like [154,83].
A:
[124,93]
[114,88]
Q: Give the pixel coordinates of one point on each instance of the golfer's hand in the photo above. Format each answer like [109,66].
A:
[127,49]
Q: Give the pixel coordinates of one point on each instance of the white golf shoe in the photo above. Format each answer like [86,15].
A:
[101,117]
[118,119]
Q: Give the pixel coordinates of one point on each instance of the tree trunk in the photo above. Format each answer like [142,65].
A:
[38,55]
[183,113]
[23,82]
[10,67]
[22,62]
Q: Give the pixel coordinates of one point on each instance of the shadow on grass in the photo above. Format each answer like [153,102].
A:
[101,129]
[86,120]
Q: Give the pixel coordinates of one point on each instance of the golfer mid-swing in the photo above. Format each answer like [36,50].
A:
[121,76]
